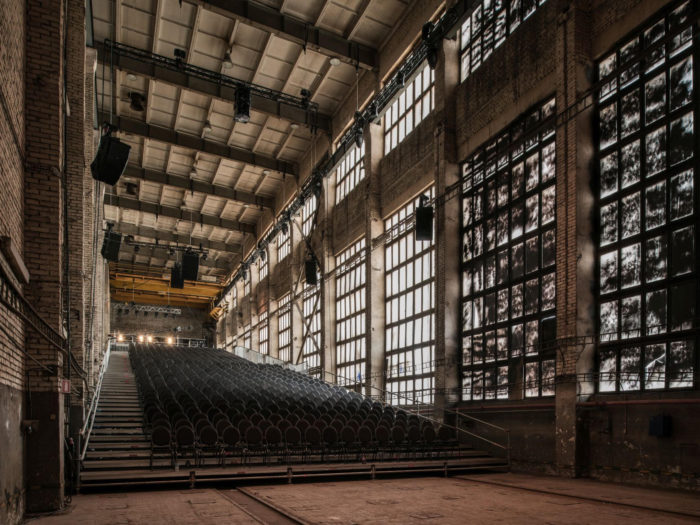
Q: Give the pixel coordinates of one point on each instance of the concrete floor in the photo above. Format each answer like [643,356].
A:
[495,498]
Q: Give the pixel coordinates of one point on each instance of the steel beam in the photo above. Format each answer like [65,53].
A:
[170,136]
[177,213]
[295,30]
[178,238]
[185,183]
[161,252]
[156,67]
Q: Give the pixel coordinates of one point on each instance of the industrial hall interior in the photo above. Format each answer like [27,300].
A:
[349,261]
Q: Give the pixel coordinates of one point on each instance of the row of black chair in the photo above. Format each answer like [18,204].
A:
[201,403]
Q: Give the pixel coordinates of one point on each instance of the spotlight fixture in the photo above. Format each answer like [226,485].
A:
[242,113]
[120,338]
[207,127]
[335,61]
[244,273]
[149,339]
[204,256]
[427,33]
[138,101]
[374,116]
[285,228]
[305,97]
[263,254]
[170,340]
[140,339]
[137,248]
[171,251]
[359,123]
[228,63]
[180,54]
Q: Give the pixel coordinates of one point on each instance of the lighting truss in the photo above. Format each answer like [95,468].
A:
[170,310]
[445,27]
[174,64]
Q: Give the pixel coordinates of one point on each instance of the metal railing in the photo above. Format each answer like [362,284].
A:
[505,447]
[90,416]
[257,357]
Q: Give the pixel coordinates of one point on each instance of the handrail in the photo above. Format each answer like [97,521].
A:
[505,447]
[90,417]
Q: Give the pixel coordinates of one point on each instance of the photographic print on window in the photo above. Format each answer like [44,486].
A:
[508,261]
[648,222]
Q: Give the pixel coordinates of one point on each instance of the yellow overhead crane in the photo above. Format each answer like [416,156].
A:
[155,289]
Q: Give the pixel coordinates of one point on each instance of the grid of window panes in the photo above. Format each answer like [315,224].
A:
[410,309]
[307,214]
[263,333]
[246,339]
[350,172]
[246,284]
[487,27]
[311,351]
[351,315]
[413,104]
[284,328]
[262,268]
[508,261]
[648,273]
[284,243]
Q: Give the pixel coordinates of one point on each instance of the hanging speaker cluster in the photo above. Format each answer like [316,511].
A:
[110,161]
[242,108]
[110,246]
[176,278]
[190,266]
[310,272]
[424,220]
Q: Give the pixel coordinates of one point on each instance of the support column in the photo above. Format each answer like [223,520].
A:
[323,244]
[575,260]
[43,226]
[376,305]
[447,256]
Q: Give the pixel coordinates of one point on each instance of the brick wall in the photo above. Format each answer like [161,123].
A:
[12,147]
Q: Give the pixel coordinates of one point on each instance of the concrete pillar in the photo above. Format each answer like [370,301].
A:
[324,249]
[574,204]
[376,306]
[447,224]
[297,287]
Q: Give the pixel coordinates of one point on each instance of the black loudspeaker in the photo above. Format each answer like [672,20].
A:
[110,161]
[190,266]
[424,223]
[660,426]
[176,279]
[110,246]
[310,271]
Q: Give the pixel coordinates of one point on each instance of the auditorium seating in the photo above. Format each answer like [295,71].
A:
[207,406]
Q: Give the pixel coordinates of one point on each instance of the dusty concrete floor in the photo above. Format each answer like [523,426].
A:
[496,498]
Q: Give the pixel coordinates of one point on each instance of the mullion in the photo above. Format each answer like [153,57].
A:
[666,176]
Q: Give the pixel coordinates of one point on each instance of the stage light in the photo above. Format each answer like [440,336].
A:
[120,338]
[170,340]
[149,339]
[140,339]
[138,101]
[228,63]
